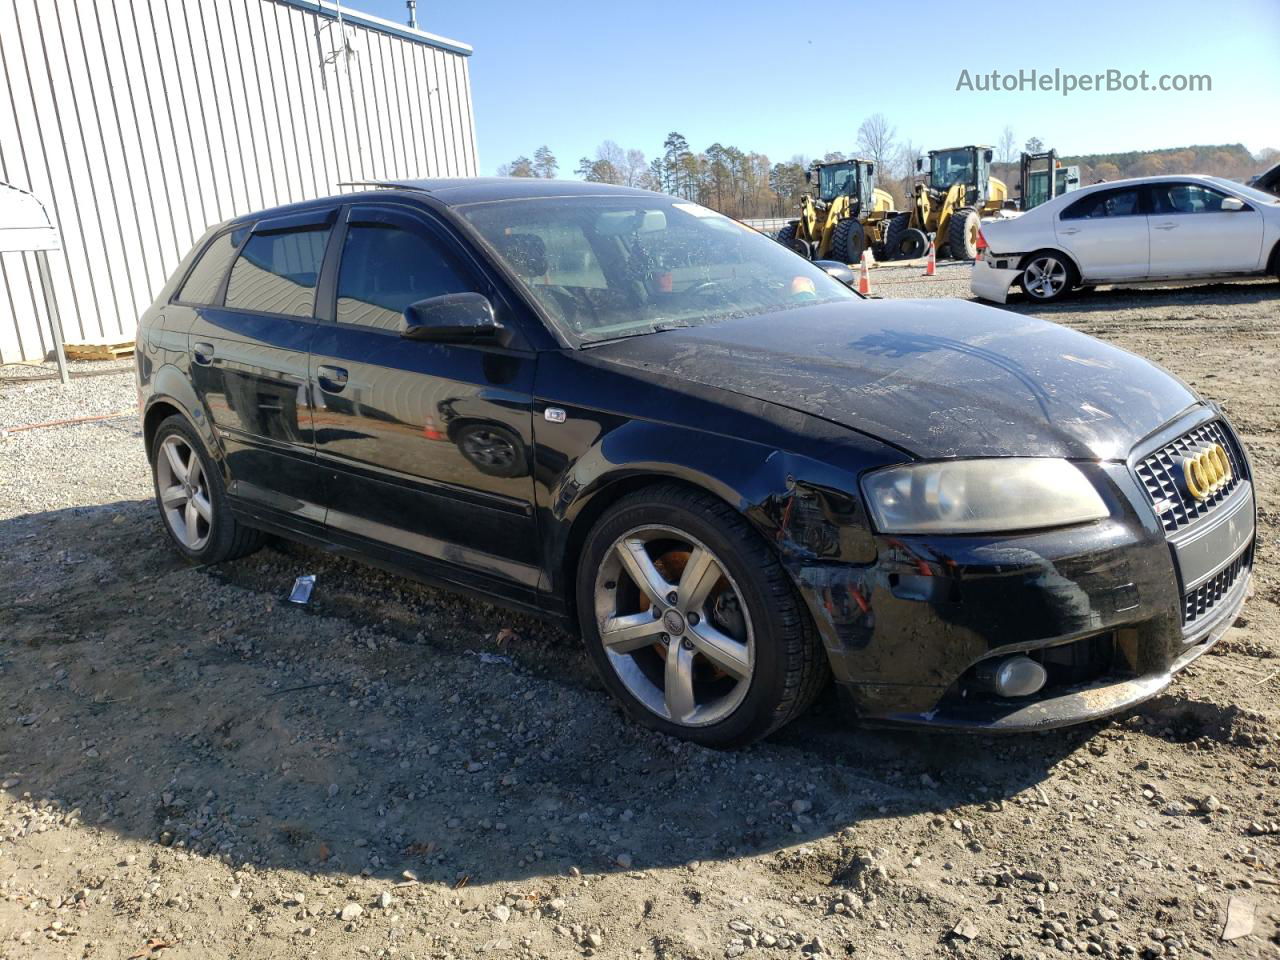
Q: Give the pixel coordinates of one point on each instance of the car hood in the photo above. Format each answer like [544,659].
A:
[937,378]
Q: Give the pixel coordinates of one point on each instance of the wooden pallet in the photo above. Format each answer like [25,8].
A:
[102,350]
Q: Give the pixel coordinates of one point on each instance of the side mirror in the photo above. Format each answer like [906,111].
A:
[452,318]
[919,164]
[871,168]
[986,156]
[838,270]
[1232,204]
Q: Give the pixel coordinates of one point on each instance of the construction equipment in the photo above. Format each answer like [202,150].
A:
[1035,187]
[947,206]
[850,213]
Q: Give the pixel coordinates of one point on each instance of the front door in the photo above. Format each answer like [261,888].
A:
[1106,234]
[249,364]
[426,449]
[1191,233]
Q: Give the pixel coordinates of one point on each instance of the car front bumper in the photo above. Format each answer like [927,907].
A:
[991,283]
[1101,607]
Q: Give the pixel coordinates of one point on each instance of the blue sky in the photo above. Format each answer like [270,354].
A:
[799,78]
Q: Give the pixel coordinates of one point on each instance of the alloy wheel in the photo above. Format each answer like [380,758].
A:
[674,625]
[184,493]
[1044,278]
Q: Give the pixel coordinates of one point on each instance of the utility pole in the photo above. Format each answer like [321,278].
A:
[413,13]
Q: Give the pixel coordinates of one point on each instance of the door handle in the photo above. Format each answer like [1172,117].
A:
[331,379]
[202,353]
[1070,230]
[1166,226]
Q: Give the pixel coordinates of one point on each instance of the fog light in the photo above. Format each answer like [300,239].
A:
[1016,676]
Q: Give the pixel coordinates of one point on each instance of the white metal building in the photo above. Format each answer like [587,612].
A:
[140,123]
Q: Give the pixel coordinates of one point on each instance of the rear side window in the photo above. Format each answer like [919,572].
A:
[202,283]
[277,272]
[384,269]
[1105,203]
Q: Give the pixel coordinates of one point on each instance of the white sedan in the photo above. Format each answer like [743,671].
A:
[1131,231]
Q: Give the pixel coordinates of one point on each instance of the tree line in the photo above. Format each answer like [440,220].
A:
[746,184]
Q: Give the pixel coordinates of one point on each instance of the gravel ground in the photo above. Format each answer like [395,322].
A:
[191,767]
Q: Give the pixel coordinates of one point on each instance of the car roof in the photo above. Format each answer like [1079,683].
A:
[1135,182]
[452,191]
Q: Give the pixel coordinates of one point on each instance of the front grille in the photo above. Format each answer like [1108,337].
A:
[1203,598]
[1161,475]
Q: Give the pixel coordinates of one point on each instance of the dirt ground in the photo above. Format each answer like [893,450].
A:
[191,767]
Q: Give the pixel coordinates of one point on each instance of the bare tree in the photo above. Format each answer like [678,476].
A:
[1008,145]
[876,141]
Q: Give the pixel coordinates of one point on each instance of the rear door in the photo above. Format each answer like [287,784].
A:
[1191,233]
[249,364]
[426,449]
[1106,233]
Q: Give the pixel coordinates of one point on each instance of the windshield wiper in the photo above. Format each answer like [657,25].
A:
[655,326]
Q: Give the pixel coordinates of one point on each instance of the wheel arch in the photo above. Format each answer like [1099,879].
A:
[788,499]
[1273,261]
[171,393]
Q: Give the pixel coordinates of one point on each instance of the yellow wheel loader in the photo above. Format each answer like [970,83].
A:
[849,214]
[948,205]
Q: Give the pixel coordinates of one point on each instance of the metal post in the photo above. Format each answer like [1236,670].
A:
[413,13]
[55,321]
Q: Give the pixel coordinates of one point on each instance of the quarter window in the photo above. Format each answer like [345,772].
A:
[202,283]
[1105,203]
[277,272]
[1185,198]
[385,269]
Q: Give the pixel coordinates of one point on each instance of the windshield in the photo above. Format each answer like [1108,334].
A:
[609,267]
[1253,194]
[951,167]
[837,181]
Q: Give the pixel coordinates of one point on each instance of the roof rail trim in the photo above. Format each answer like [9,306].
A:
[384,184]
[330,10]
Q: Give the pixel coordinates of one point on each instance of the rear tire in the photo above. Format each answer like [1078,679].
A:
[1047,276]
[894,234]
[192,498]
[787,237]
[913,245]
[848,240]
[962,234]
[775,666]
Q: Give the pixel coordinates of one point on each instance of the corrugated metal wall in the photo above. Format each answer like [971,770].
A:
[140,123]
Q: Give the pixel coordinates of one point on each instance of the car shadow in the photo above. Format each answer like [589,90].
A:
[390,727]
[1136,298]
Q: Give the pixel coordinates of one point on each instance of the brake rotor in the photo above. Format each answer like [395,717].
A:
[722,603]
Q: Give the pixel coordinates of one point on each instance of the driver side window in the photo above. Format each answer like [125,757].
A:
[386,268]
[1186,198]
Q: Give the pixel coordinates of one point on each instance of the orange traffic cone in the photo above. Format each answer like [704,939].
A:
[864,279]
[982,244]
[931,268]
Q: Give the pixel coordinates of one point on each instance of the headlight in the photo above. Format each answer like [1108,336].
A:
[980,496]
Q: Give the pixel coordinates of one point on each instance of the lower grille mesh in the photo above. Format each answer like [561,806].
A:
[1203,598]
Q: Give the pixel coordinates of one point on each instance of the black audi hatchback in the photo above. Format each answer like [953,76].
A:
[731,474]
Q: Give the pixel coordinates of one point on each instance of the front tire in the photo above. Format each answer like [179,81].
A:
[740,656]
[894,235]
[1047,276]
[848,240]
[193,499]
[962,234]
